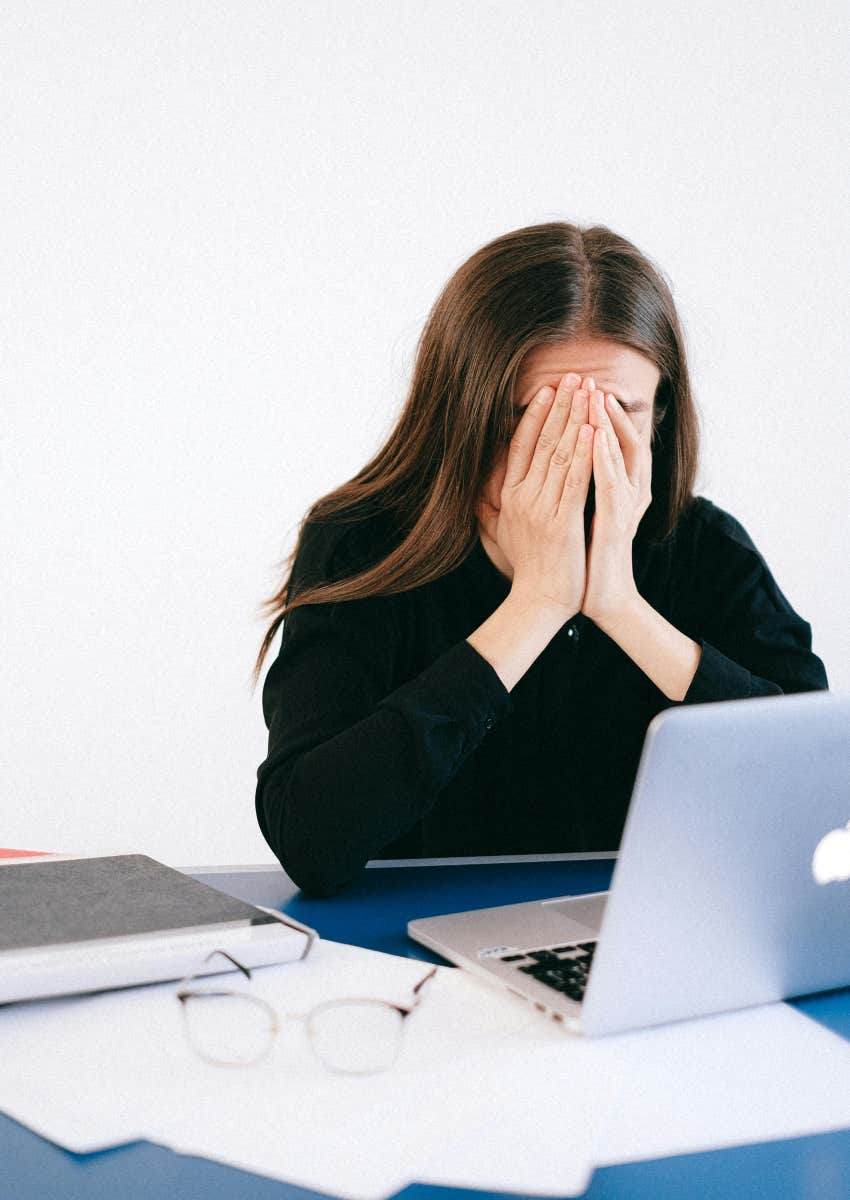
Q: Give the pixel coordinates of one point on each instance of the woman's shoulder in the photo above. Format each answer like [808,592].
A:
[334,549]
[705,521]
[717,554]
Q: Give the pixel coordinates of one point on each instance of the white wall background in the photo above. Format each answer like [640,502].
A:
[222,226]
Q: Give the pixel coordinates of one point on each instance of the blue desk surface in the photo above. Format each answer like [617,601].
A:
[374,912]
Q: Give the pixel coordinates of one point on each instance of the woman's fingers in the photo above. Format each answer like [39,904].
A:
[546,442]
[608,465]
[574,492]
[551,433]
[623,439]
[604,469]
[525,437]
[564,453]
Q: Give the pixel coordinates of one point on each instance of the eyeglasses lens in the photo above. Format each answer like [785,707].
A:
[357,1037]
[228,1029]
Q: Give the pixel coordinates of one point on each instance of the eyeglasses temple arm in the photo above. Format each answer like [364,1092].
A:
[285,919]
[417,994]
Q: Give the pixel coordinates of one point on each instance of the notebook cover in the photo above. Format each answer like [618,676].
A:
[50,903]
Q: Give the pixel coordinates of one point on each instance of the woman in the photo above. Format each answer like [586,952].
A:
[481,624]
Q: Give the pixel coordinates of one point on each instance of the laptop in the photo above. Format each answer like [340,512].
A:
[731,887]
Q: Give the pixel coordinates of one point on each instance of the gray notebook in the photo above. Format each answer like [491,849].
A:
[85,924]
[77,900]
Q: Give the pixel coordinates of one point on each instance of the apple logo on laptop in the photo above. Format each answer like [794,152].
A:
[831,859]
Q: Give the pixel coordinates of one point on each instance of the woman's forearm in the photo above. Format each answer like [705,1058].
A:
[515,634]
[669,657]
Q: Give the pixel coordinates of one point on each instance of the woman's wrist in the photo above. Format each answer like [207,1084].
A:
[515,634]
[527,600]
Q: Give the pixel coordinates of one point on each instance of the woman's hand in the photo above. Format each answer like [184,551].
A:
[622,474]
[537,522]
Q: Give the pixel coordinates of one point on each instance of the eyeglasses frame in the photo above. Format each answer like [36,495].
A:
[184,993]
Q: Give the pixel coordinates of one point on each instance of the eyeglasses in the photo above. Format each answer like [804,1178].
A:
[351,1036]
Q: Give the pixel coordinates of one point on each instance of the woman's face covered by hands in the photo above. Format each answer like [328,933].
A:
[631,376]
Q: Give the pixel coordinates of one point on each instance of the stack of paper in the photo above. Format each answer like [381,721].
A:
[487,1093]
[287,1116]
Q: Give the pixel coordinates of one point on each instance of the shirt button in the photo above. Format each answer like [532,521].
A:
[489,723]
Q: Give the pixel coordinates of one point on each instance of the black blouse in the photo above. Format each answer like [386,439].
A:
[390,736]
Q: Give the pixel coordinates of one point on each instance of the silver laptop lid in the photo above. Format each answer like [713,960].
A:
[714,902]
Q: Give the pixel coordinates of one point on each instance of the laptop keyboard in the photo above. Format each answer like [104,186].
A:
[564,968]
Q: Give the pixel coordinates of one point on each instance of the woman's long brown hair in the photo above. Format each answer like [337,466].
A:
[539,284]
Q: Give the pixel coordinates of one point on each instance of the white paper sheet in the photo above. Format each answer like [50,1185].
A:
[725,1080]
[95,1071]
[486,1094]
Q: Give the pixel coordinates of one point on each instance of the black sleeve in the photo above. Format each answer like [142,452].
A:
[753,642]
[353,761]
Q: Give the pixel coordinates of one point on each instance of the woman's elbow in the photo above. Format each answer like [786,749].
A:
[316,886]
[308,865]
[301,852]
